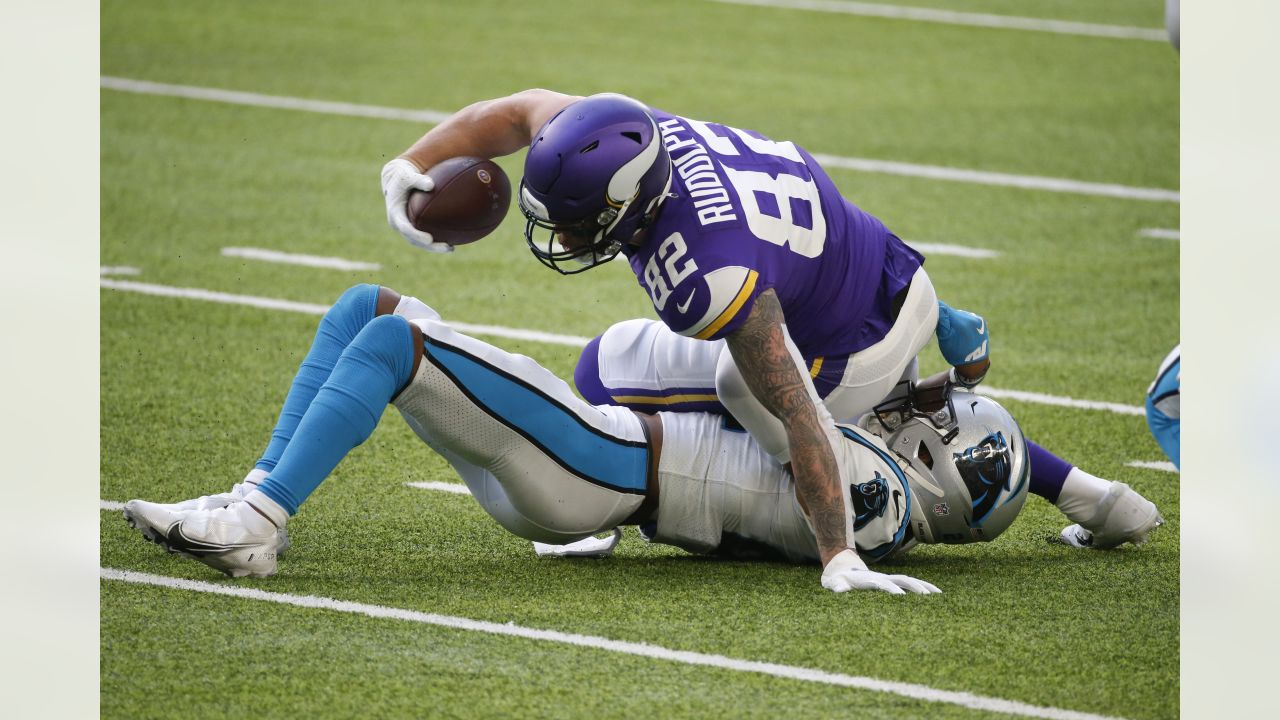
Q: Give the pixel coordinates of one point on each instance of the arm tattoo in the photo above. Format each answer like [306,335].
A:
[759,350]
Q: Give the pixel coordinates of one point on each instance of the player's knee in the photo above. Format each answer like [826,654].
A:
[387,342]
[586,375]
[352,311]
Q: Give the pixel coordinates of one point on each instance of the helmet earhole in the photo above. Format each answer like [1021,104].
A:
[925,456]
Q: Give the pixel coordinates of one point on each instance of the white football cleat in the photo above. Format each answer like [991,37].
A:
[1122,516]
[212,502]
[220,538]
[219,500]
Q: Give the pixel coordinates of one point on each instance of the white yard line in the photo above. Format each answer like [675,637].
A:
[317,261]
[449,487]
[1061,401]
[951,17]
[117,270]
[1162,465]
[982,177]
[908,690]
[1160,233]
[956,250]
[314,309]
[539,336]
[934,172]
[273,101]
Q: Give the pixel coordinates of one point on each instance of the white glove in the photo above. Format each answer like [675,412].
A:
[399,177]
[592,547]
[847,571]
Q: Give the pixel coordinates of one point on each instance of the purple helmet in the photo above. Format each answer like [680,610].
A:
[595,171]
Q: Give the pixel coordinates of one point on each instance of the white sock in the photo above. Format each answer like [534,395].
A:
[255,476]
[260,514]
[1081,493]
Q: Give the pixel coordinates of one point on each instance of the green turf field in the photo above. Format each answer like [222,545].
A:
[1082,304]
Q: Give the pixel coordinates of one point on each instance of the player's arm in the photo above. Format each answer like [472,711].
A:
[759,349]
[487,129]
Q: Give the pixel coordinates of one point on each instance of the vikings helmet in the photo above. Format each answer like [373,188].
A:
[596,171]
[966,464]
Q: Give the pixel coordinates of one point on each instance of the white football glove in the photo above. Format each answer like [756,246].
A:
[399,177]
[847,571]
[592,547]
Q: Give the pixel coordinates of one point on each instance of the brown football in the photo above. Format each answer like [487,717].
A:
[469,201]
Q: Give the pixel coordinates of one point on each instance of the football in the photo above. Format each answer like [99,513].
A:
[470,199]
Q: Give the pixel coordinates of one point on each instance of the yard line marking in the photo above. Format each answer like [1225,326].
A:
[315,309]
[273,101]
[956,250]
[118,270]
[457,488]
[539,336]
[982,177]
[1163,465]
[318,261]
[933,172]
[790,672]
[110,505]
[950,17]
[1160,233]
[214,296]
[1061,401]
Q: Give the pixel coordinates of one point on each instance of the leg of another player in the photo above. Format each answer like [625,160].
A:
[546,465]
[240,538]
[1106,513]
[341,323]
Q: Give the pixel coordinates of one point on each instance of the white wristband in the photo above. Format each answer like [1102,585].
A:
[961,381]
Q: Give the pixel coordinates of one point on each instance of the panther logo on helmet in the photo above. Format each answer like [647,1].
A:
[985,468]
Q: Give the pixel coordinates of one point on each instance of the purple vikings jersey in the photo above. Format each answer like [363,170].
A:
[747,214]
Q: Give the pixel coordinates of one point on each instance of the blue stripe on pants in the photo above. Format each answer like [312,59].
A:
[587,452]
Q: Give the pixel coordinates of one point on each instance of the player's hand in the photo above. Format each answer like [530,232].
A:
[963,338]
[847,571]
[399,177]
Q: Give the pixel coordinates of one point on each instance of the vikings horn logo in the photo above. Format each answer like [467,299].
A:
[869,500]
[986,469]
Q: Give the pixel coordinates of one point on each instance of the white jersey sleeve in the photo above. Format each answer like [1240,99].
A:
[716,482]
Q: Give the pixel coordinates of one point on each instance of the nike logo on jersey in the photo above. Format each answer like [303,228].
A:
[682,307]
[982,327]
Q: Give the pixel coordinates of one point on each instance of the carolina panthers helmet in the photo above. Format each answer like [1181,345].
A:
[597,170]
[966,463]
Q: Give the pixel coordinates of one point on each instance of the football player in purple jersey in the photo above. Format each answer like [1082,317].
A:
[745,242]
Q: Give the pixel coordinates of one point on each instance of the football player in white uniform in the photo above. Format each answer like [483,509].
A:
[552,468]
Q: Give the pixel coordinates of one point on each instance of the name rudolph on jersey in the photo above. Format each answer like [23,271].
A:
[697,172]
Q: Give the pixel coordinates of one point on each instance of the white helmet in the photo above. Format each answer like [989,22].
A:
[966,464]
